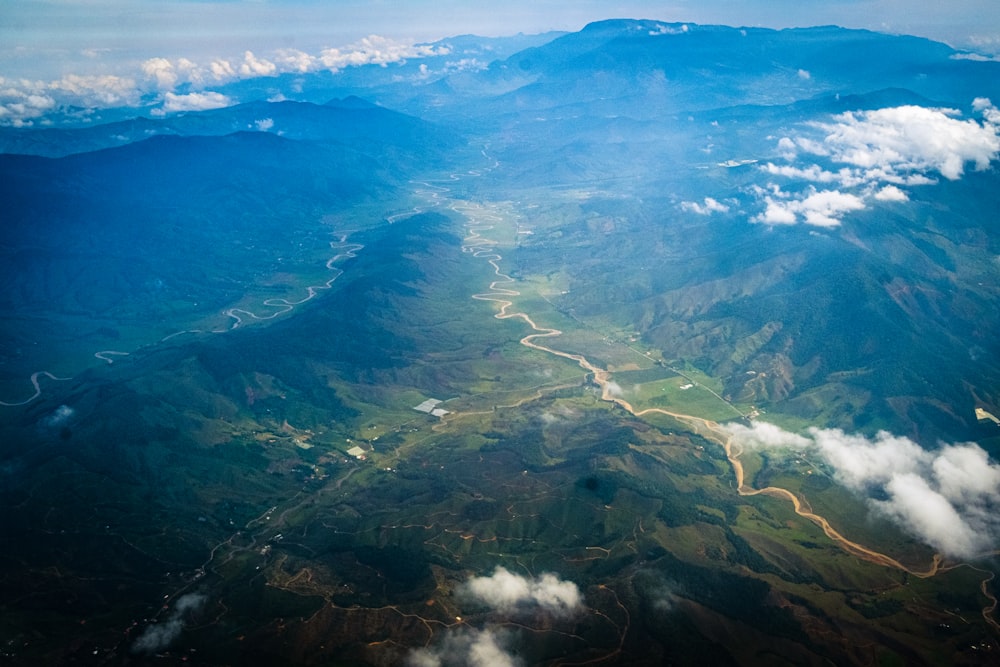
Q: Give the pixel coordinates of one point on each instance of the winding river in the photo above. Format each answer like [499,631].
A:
[343,250]
[502,294]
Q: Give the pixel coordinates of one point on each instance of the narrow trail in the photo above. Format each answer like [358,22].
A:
[501,294]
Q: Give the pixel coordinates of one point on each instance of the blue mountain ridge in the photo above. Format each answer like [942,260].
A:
[350,121]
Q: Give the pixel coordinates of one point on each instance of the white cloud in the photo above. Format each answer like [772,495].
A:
[665,29]
[977,57]
[981,104]
[777,213]
[891,193]
[293,60]
[19,107]
[104,90]
[819,208]
[467,648]
[264,124]
[158,636]
[991,114]
[222,70]
[909,138]
[810,173]
[94,53]
[884,149]
[195,102]
[23,101]
[252,66]
[707,208]
[507,592]
[60,416]
[787,148]
[804,75]
[763,434]
[465,65]
[162,72]
[822,208]
[845,177]
[949,497]
[662,594]
[377,50]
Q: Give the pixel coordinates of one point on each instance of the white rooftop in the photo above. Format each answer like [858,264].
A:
[427,406]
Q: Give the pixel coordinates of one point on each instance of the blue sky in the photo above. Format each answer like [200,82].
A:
[106,52]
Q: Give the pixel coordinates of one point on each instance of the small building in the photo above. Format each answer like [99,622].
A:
[356,452]
[430,407]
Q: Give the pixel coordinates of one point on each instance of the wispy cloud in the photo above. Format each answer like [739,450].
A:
[707,207]
[613,388]
[660,593]
[667,29]
[977,57]
[947,497]
[158,636]
[60,416]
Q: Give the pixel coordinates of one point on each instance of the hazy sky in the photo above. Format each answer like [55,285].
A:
[50,37]
[104,53]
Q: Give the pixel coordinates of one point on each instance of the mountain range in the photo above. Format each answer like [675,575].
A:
[649,343]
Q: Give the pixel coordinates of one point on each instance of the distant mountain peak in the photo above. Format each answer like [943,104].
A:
[351,102]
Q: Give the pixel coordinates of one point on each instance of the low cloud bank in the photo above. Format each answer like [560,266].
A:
[949,497]
[23,101]
[182,84]
[166,74]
